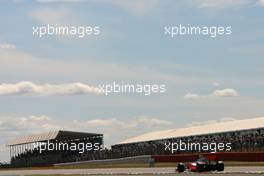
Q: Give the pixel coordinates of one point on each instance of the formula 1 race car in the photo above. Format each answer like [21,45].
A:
[203,164]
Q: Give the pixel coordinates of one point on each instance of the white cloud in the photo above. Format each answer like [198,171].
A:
[152,122]
[52,1]
[216,93]
[57,16]
[134,123]
[260,2]
[143,6]
[191,96]
[201,123]
[225,93]
[2,148]
[138,7]
[63,16]
[5,45]
[29,88]
[216,84]
[224,119]
[100,123]
[219,4]
[27,124]
[222,4]
[145,122]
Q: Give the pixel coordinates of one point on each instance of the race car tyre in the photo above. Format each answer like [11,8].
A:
[180,167]
[220,166]
[200,168]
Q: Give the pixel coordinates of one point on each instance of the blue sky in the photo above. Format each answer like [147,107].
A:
[207,79]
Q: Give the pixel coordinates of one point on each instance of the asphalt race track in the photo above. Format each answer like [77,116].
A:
[168,171]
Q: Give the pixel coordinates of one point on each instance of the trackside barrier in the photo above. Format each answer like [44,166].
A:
[135,159]
[232,156]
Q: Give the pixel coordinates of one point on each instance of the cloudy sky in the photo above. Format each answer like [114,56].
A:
[50,83]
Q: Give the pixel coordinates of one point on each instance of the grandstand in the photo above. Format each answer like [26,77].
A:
[244,136]
[26,150]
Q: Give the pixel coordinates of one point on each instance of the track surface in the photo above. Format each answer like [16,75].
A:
[234,171]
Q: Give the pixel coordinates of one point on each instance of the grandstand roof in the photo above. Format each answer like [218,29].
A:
[52,135]
[219,127]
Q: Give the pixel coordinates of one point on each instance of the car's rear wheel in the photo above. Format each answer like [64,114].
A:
[181,167]
[220,166]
